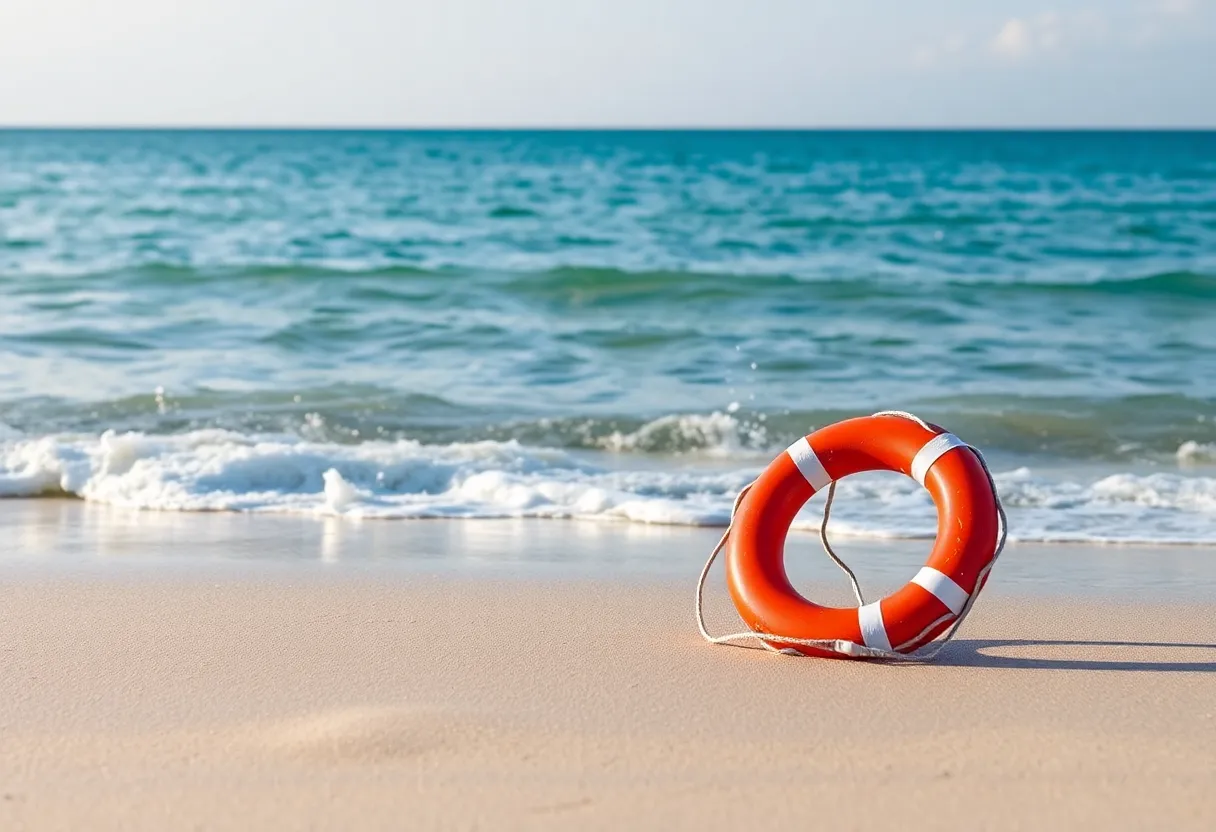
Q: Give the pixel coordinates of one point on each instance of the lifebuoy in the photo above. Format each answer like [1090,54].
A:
[968,526]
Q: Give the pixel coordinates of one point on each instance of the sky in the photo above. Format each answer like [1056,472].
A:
[608,63]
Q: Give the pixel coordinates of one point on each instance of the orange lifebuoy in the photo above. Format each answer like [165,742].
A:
[967,530]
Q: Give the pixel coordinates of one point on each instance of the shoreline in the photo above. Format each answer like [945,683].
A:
[77,537]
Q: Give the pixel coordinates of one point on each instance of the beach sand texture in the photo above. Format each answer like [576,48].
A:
[234,698]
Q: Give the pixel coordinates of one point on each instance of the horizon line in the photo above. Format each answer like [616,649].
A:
[251,128]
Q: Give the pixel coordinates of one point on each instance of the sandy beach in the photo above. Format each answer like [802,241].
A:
[165,690]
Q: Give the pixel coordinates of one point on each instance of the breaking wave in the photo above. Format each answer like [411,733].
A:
[220,470]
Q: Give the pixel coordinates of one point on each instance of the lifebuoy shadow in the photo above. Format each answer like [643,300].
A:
[979,653]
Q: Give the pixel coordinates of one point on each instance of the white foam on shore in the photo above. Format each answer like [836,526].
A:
[339,494]
[213,470]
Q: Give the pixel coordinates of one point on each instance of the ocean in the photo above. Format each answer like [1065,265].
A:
[607,326]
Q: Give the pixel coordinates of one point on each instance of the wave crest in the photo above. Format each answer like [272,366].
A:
[1192,452]
[717,434]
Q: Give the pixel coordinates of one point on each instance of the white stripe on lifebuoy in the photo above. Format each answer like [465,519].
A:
[943,587]
[810,466]
[873,630]
[932,451]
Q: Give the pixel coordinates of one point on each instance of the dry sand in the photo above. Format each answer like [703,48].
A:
[243,698]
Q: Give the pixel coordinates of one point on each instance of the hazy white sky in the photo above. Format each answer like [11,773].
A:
[607,62]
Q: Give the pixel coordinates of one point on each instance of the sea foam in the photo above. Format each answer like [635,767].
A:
[1192,452]
[211,470]
[715,434]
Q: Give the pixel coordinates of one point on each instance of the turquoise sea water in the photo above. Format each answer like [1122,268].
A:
[607,325]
